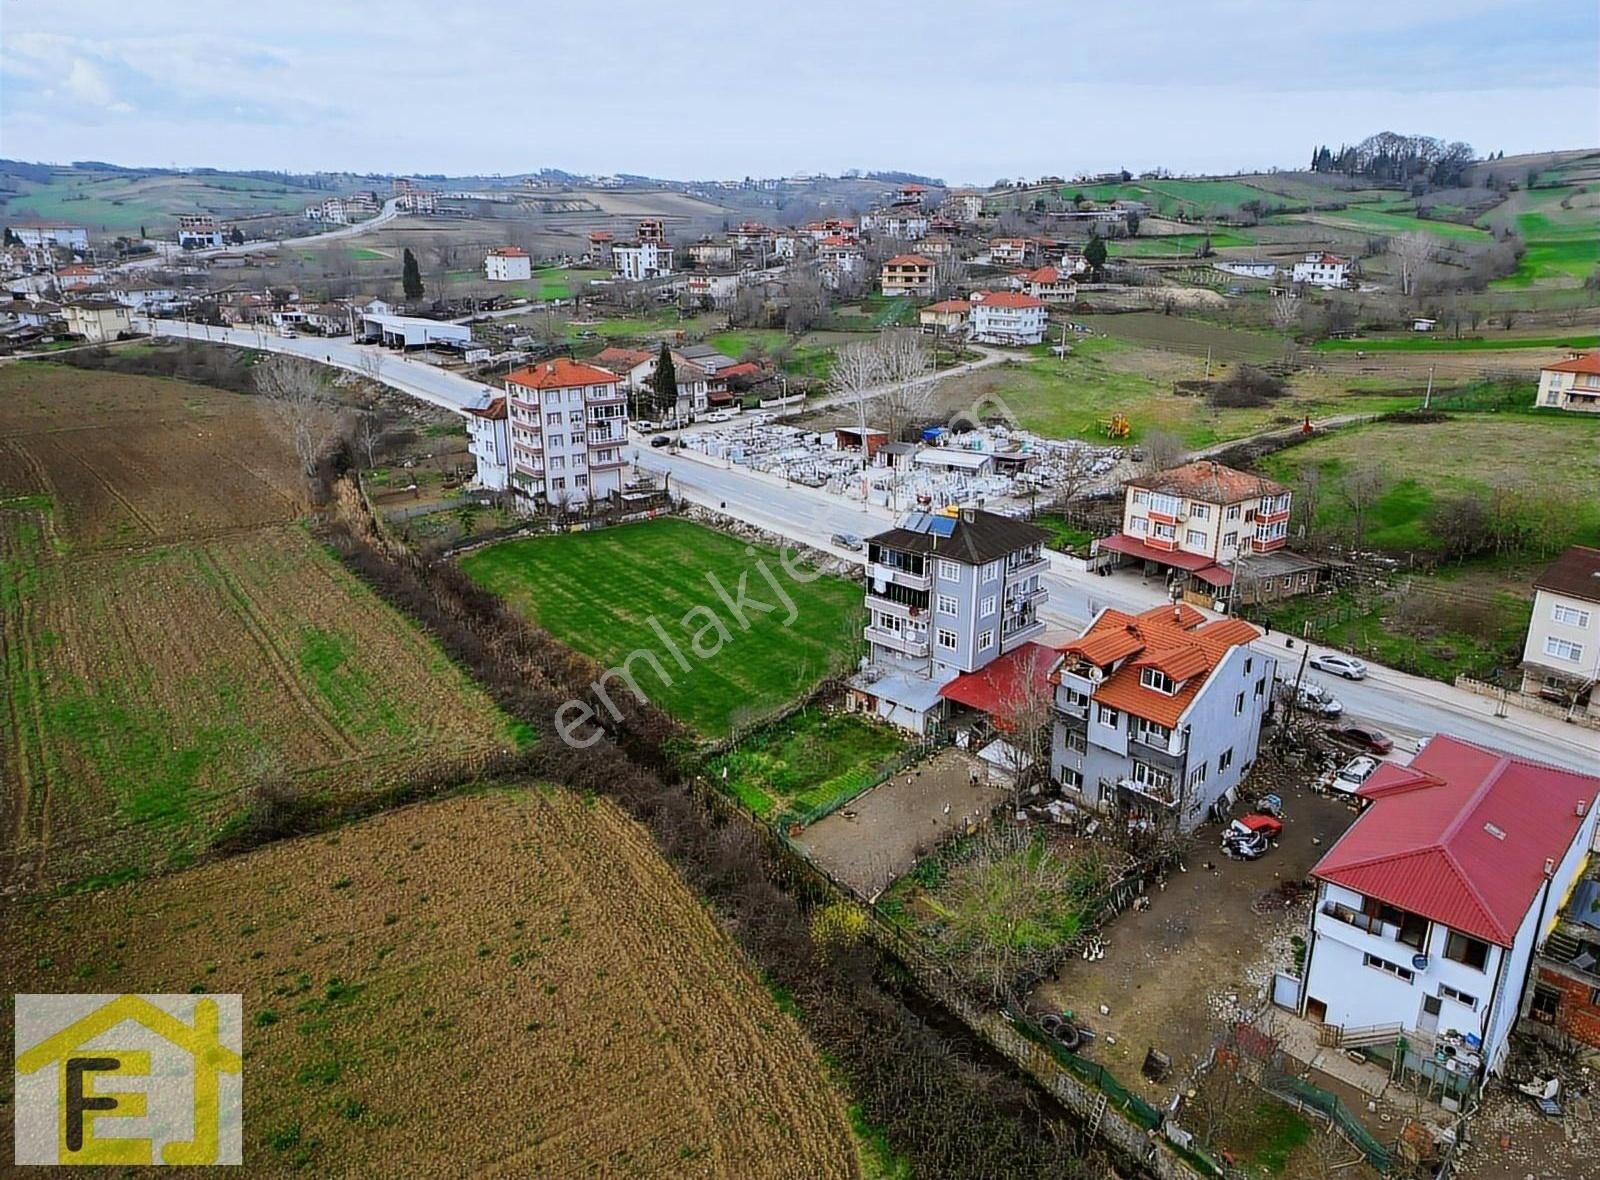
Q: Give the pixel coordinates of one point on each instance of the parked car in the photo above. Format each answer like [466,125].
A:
[846,541]
[1374,741]
[661,440]
[1269,826]
[1340,665]
[1241,843]
[1352,776]
[720,416]
[1313,698]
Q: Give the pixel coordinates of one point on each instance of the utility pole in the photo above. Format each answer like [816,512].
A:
[1208,362]
[1428,395]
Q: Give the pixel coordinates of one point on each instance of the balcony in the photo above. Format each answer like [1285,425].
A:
[1413,939]
[899,641]
[1020,634]
[878,572]
[900,610]
[1131,792]
[1023,595]
[1036,564]
[607,464]
[527,469]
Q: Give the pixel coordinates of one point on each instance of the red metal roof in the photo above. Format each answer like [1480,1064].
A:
[1006,684]
[1133,547]
[947,306]
[1589,362]
[560,373]
[1461,836]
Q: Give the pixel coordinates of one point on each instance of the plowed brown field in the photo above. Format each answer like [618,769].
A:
[502,984]
[169,637]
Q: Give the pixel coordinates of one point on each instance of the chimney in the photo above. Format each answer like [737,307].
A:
[1549,867]
[550,366]
[966,515]
[1582,809]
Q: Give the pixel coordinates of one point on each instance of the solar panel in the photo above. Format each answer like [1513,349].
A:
[943,526]
[916,522]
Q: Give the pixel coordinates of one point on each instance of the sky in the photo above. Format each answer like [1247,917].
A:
[728,88]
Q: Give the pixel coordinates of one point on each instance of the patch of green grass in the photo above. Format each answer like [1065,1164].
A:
[806,761]
[1426,343]
[362,254]
[878,1158]
[737,343]
[1065,537]
[345,687]
[1373,221]
[600,592]
[1276,1132]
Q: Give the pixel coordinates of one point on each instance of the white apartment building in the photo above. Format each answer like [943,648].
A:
[1006,317]
[66,237]
[637,261]
[489,442]
[199,231]
[908,225]
[508,264]
[569,432]
[1561,658]
[1323,270]
[1572,384]
[1008,251]
[1430,906]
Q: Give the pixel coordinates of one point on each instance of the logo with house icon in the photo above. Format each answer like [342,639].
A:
[128,1079]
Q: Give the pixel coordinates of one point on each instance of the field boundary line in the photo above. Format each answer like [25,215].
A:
[116,495]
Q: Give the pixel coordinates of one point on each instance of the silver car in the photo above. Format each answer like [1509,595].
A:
[1340,665]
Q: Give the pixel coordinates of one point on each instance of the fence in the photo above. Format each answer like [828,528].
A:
[854,790]
[1532,704]
[1092,1072]
[1302,1095]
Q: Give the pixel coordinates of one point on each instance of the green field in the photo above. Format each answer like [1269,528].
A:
[1560,227]
[815,759]
[1177,245]
[599,592]
[117,202]
[737,343]
[1433,343]
[1372,221]
[1189,199]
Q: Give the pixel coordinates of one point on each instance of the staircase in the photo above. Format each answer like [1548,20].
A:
[1560,946]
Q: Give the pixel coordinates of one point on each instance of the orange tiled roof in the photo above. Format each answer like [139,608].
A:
[1005,299]
[1209,481]
[560,373]
[949,305]
[1589,362]
[909,260]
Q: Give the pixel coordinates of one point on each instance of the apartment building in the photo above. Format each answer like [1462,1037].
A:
[489,442]
[1323,270]
[1430,907]
[651,229]
[97,320]
[946,594]
[1217,532]
[600,241]
[1561,658]
[199,231]
[1158,715]
[707,252]
[641,260]
[1006,317]
[1572,384]
[907,274]
[508,264]
[569,432]
[909,225]
[1008,251]
[1049,283]
[839,257]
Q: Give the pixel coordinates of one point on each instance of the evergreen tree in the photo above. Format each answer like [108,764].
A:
[236,236]
[142,234]
[1095,254]
[664,384]
[411,276]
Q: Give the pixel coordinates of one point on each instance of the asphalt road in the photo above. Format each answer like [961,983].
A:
[388,213]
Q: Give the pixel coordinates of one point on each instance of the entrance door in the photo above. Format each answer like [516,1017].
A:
[1428,1021]
[1317,1010]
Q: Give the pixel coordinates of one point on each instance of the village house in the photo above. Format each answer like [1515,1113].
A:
[949,315]
[417,200]
[1429,908]
[707,252]
[1572,384]
[838,257]
[148,300]
[1008,251]
[1216,532]
[711,290]
[489,441]
[965,207]
[1561,657]
[907,274]
[633,366]
[786,246]
[569,432]
[1248,268]
[51,234]
[751,237]
[507,264]
[97,320]
[600,247]
[1006,317]
[1047,283]
[78,277]
[199,231]
[946,594]
[908,225]
[332,211]
[636,262]
[910,194]
[1322,270]
[831,227]
[1158,715]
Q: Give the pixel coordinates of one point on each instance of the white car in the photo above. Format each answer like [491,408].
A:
[1353,774]
[1340,665]
[1313,698]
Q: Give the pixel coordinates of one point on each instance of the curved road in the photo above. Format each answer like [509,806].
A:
[390,211]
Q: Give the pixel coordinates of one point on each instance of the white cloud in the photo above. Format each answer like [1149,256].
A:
[86,83]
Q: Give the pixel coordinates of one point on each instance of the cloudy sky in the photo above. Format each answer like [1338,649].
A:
[725,88]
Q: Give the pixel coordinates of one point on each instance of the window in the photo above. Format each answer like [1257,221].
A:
[1232,513]
[947,604]
[1563,649]
[1394,969]
[1152,734]
[1165,531]
[553,418]
[949,571]
[1072,779]
[1230,540]
[1141,498]
[1149,776]
[985,640]
[1194,537]
[1238,704]
[1165,504]
[947,638]
[986,607]
[1463,948]
[1197,776]
[1157,679]
[1225,760]
[1139,525]
[1546,1002]
[1076,742]
[580,481]
[1200,511]
[1107,716]
[1249,662]
[1261,688]
[992,571]
[1446,992]
[1570,615]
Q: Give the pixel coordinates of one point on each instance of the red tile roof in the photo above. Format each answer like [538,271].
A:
[1176,639]
[1006,684]
[1045,274]
[560,373]
[626,357]
[1576,573]
[1461,836]
[950,305]
[510,252]
[908,260]
[1589,362]
[1209,481]
[743,369]
[1005,299]
[494,411]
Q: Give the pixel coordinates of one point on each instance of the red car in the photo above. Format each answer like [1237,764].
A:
[1372,740]
[1269,826]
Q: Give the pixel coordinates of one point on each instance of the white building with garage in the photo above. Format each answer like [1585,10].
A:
[404,331]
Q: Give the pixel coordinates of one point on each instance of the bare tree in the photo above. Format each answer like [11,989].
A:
[1074,473]
[295,393]
[1412,251]
[1163,450]
[1359,489]
[369,434]
[1027,721]
[857,369]
[905,365]
[949,274]
[1285,315]
[371,364]
[1308,499]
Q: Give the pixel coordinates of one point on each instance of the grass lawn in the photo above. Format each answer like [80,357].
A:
[1274,1134]
[737,343]
[559,282]
[1177,245]
[599,592]
[362,254]
[1426,343]
[806,762]
[1372,220]
[1066,538]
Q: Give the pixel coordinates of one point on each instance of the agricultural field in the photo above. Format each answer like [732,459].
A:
[174,639]
[599,592]
[584,1013]
[807,762]
[1375,222]
[1560,226]
[121,202]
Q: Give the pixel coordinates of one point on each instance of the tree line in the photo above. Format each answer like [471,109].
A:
[1391,158]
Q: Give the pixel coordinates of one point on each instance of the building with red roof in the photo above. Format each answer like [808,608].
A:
[1430,907]
[1323,270]
[907,274]
[1572,384]
[507,264]
[1049,283]
[1158,714]
[1561,655]
[1007,317]
[489,441]
[569,432]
